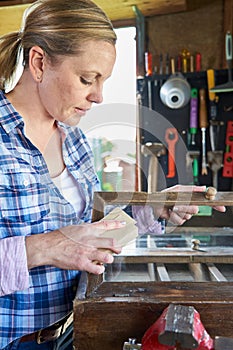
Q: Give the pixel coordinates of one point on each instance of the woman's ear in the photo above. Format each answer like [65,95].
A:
[36,63]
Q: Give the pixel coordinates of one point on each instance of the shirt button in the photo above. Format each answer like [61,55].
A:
[26,183]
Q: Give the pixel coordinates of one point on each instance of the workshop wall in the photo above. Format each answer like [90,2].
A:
[200,30]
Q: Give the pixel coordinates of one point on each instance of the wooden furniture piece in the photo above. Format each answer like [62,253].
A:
[127,300]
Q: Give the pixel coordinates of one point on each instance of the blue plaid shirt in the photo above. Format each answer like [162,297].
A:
[31,204]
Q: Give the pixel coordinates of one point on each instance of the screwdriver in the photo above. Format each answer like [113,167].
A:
[193,115]
[203,122]
[213,99]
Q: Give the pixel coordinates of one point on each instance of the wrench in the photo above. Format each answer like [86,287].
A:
[171,137]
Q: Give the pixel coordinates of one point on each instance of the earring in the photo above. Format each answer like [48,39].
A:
[38,78]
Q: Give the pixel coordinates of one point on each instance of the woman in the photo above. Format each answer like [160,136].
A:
[52,71]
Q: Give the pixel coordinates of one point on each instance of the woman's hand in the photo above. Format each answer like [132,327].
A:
[147,218]
[179,214]
[76,247]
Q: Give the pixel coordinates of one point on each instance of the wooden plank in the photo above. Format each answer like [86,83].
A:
[215,274]
[198,272]
[14,2]
[175,255]
[151,269]
[163,275]
[122,9]
[167,291]
[159,199]
[168,256]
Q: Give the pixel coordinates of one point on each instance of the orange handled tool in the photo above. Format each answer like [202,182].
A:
[203,119]
[171,137]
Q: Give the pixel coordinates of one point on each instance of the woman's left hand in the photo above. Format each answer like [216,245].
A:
[179,214]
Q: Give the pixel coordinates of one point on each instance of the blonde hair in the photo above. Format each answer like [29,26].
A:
[59,27]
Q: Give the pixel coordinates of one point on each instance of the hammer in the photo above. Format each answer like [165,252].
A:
[153,150]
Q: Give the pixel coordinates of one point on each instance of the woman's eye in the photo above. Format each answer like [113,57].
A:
[85,81]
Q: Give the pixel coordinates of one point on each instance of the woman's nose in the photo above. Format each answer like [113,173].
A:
[96,95]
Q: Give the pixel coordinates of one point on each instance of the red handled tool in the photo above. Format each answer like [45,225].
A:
[171,137]
[198,62]
[228,156]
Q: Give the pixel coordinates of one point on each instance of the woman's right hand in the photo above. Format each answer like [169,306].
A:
[77,247]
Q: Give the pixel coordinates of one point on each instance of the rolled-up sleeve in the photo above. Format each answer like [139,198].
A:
[14,274]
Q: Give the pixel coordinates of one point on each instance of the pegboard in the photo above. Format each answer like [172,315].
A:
[155,118]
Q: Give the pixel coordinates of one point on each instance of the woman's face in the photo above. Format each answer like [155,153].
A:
[69,88]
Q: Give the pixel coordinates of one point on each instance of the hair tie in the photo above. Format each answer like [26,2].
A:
[16,75]
[19,66]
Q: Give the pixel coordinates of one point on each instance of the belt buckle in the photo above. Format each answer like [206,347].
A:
[39,337]
[59,330]
[57,333]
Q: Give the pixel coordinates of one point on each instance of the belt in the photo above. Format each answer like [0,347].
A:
[50,333]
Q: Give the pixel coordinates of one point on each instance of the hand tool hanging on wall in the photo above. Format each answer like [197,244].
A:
[161,68]
[153,150]
[193,153]
[198,62]
[227,87]
[193,115]
[203,125]
[178,63]
[212,109]
[171,138]
[185,60]
[215,162]
[176,91]
[148,63]
[228,155]
[192,157]
[149,72]
[191,65]
[214,156]
[215,125]
[167,68]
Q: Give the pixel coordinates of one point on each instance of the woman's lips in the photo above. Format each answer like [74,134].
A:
[81,111]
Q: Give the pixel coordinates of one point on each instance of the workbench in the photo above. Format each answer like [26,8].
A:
[153,272]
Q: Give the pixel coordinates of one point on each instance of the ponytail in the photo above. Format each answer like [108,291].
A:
[9,46]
